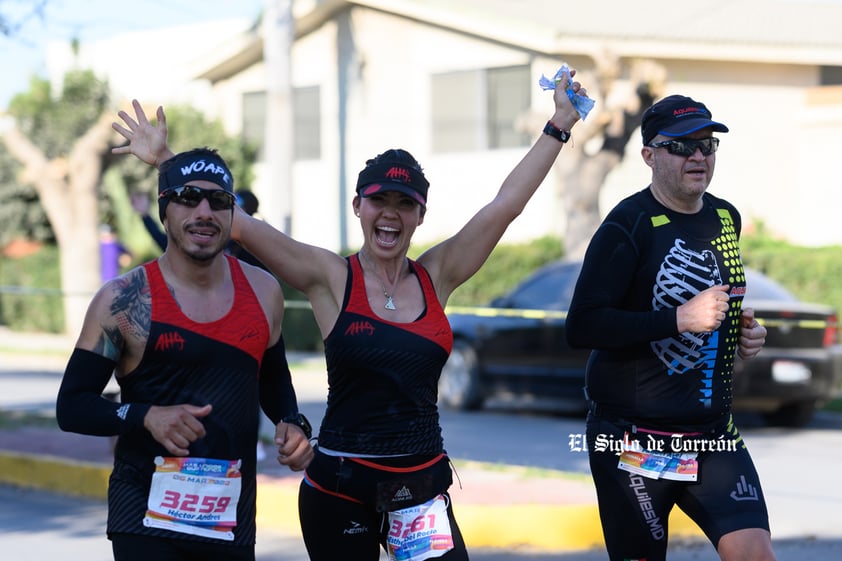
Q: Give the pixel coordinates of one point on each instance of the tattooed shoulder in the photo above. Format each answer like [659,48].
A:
[131,311]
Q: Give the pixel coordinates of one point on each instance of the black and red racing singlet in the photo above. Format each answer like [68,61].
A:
[383,376]
[186,361]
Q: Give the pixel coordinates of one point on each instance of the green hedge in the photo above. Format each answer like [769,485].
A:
[30,299]
[301,332]
[812,274]
[507,265]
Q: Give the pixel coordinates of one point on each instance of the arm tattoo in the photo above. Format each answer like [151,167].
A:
[110,343]
[131,311]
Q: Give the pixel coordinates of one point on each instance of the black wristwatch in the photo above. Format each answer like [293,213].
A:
[559,134]
[301,422]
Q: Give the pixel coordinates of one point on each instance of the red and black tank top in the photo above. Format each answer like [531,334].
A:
[196,363]
[383,376]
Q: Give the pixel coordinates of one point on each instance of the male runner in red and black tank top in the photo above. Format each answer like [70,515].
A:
[194,341]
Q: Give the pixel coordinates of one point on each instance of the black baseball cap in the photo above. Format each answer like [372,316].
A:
[677,115]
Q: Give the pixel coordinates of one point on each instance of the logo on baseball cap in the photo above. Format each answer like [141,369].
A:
[675,116]
[390,176]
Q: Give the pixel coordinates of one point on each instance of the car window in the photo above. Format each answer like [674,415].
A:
[552,288]
[548,289]
[761,287]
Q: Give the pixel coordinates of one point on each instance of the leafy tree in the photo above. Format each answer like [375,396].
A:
[62,145]
[21,214]
[52,125]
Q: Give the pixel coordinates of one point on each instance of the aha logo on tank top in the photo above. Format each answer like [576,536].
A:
[360,328]
[171,341]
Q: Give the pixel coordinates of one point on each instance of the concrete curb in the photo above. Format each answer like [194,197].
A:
[541,527]
[51,473]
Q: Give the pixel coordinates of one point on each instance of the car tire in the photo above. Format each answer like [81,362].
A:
[792,415]
[459,385]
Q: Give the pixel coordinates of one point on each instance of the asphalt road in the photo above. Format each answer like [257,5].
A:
[35,526]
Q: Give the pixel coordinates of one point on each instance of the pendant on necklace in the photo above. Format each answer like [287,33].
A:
[390,304]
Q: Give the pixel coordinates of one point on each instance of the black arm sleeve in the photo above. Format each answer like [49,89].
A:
[155,231]
[80,406]
[601,315]
[277,396]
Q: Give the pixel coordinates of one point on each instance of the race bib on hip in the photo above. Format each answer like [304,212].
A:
[647,459]
[659,465]
[196,496]
[420,532]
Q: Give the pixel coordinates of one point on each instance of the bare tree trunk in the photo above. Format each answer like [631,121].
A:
[580,172]
[580,194]
[68,190]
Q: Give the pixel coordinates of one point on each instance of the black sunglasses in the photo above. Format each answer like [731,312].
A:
[687,147]
[191,196]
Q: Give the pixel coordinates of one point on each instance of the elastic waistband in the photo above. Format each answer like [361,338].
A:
[395,466]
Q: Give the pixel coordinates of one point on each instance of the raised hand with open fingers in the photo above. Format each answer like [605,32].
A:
[146,141]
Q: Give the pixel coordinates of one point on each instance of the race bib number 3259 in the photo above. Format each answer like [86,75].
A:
[196,496]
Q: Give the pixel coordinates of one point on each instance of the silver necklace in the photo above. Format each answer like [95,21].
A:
[390,303]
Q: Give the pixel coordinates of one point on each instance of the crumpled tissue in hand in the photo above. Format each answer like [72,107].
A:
[582,104]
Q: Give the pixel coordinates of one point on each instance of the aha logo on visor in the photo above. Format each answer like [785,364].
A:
[399,174]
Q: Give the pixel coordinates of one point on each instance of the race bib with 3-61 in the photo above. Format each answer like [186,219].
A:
[420,532]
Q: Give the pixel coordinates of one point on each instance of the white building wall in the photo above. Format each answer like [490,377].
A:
[816,197]
[315,196]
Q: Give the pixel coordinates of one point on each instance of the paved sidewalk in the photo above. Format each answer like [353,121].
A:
[497,506]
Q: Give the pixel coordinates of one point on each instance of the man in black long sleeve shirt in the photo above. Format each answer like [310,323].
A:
[659,300]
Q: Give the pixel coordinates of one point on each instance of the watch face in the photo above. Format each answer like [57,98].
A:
[555,132]
[305,425]
[301,422]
